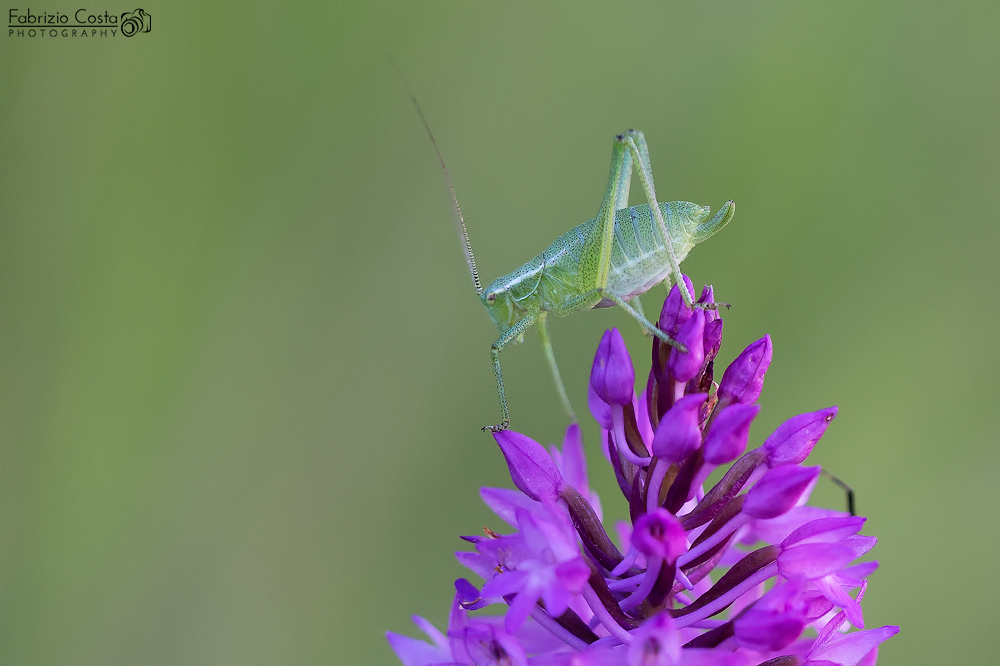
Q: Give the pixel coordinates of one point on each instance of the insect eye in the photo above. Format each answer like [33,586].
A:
[491,298]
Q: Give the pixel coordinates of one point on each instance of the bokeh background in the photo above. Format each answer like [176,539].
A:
[242,370]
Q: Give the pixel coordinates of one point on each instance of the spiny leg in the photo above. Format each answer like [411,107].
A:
[595,295]
[645,323]
[543,333]
[641,155]
[505,339]
[595,259]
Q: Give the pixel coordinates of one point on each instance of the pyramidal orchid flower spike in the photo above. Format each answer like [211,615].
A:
[741,573]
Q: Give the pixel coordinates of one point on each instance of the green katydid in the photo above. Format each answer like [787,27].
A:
[609,260]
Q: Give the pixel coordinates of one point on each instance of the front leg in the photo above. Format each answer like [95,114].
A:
[505,339]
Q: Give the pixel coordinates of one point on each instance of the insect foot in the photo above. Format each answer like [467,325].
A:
[499,427]
[684,587]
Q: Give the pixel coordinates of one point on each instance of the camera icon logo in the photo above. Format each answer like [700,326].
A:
[134,22]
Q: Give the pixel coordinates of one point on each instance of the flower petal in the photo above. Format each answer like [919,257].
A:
[531,467]
[744,378]
[850,649]
[794,439]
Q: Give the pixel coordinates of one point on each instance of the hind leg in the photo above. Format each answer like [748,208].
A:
[636,143]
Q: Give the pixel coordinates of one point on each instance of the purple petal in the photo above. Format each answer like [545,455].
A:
[574,463]
[573,575]
[768,630]
[794,439]
[714,657]
[432,632]
[774,621]
[466,591]
[860,543]
[777,529]
[836,594]
[685,366]
[850,649]
[813,560]
[508,582]
[468,595]
[505,502]
[826,529]
[678,434]
[557,530]
[414,652]
[556,598]
[531,468]
[713,337]
[660,534]
[855,575]
[485,643]
[612,376]
[482,565]
[620,376]
[595,656]
[727,438]
[520,607]
[675,312]
[533,533]
[744,378]
[870,659]
[656,642]
[708,296]
[599,409]
[815,606]
[779,490]
[598,370]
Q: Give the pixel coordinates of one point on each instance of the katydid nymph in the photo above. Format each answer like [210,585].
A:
[609,260]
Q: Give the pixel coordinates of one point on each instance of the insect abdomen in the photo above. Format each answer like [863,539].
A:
[639,258]
[638,255]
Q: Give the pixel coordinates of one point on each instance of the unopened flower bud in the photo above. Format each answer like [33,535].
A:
[678,435]
[675,312]
[684,366]
[794,439]
[612,375]
[659,534]
[744,378]
[779,490]
[713,337]
[708,297]
[727,438]
[531,469]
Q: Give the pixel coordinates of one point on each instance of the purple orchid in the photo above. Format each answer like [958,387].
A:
[730,575]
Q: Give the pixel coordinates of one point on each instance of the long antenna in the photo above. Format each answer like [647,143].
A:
[470,258]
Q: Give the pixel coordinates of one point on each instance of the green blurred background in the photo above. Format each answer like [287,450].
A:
[242,369]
